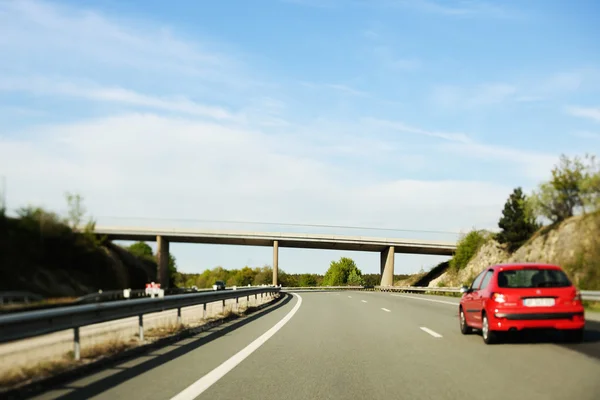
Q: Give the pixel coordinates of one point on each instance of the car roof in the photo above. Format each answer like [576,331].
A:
[524,264]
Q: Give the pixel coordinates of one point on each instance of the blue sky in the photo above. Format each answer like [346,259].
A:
[407,114]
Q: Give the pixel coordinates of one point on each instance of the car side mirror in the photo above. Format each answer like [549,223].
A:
[465,289]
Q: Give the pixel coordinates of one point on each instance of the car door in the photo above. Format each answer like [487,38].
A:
[470,302]
[481,295]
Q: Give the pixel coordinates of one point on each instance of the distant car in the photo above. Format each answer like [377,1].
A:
[513,297]
[219,285]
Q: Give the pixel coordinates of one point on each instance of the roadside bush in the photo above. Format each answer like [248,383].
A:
[339,272]
[467,248]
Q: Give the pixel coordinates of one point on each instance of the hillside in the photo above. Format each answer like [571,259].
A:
[574,244]
[41,254]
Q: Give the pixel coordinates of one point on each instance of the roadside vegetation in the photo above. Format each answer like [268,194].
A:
[571,194]
[340,273]
[60,256]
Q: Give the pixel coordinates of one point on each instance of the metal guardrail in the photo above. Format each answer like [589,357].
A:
[418,289]
[24,325]
[324,287]
[590,295]
[587,295]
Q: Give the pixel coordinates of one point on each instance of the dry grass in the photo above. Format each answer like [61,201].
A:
[592,306]
[19,375]
[165,330]
[108,348]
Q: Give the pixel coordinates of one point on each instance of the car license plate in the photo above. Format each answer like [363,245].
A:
[539,302]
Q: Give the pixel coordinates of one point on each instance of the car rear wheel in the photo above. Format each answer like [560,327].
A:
[464,328]
[489,336]
[573,335]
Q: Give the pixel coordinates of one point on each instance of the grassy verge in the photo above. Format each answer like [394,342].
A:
[593,306]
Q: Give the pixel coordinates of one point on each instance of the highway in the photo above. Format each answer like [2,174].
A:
[351,345]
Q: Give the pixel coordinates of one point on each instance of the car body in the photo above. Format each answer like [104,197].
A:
[219,285]
[514,297]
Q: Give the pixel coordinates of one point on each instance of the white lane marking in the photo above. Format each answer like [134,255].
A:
[385,309]
[349,297]
[198,387]
[423,299]
[432,333]
[364,301]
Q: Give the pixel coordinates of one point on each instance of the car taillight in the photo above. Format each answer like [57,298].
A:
[498,297]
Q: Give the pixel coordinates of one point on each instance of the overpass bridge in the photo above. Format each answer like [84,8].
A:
[387,247]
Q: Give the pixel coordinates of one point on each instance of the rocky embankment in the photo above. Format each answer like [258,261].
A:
[574,244]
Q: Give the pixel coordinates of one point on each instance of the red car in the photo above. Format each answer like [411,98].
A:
[512,297]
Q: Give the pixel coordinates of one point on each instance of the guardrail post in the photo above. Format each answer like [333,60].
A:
[237,299]
[204,311]
[76,344]
[178,315]
[141,324]
[223,305]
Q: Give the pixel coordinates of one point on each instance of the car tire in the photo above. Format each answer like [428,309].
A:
[489,336]
[464,328]
[573,335]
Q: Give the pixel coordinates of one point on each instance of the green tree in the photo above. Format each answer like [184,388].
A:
[590,185]
[142,250]
[573,188]
[355,278]
[339,271]
[173,274]
[75,210]
[307,280]
[466,248]
[263,276]
[516,224]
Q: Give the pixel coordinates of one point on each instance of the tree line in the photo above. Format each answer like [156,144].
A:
[340,273]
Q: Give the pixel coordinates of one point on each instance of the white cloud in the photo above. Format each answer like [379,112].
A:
[90,91]
[401,127]
[535,165]
[461,8]
[168,167]
[592,113]
[387,57]
[257,158]
[455,97]
[84,42]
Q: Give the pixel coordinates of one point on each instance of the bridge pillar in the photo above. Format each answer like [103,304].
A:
[275,262]
[387,267]
[162,261]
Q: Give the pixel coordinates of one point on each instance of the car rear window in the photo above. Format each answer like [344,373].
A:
[532,278]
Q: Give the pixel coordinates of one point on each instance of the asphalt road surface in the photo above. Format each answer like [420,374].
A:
[351,345]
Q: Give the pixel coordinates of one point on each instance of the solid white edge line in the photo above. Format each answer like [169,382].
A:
[198,387]
[423,299]
[432,333]
[385,309]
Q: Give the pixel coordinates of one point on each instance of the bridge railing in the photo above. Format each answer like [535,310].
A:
[23,325]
